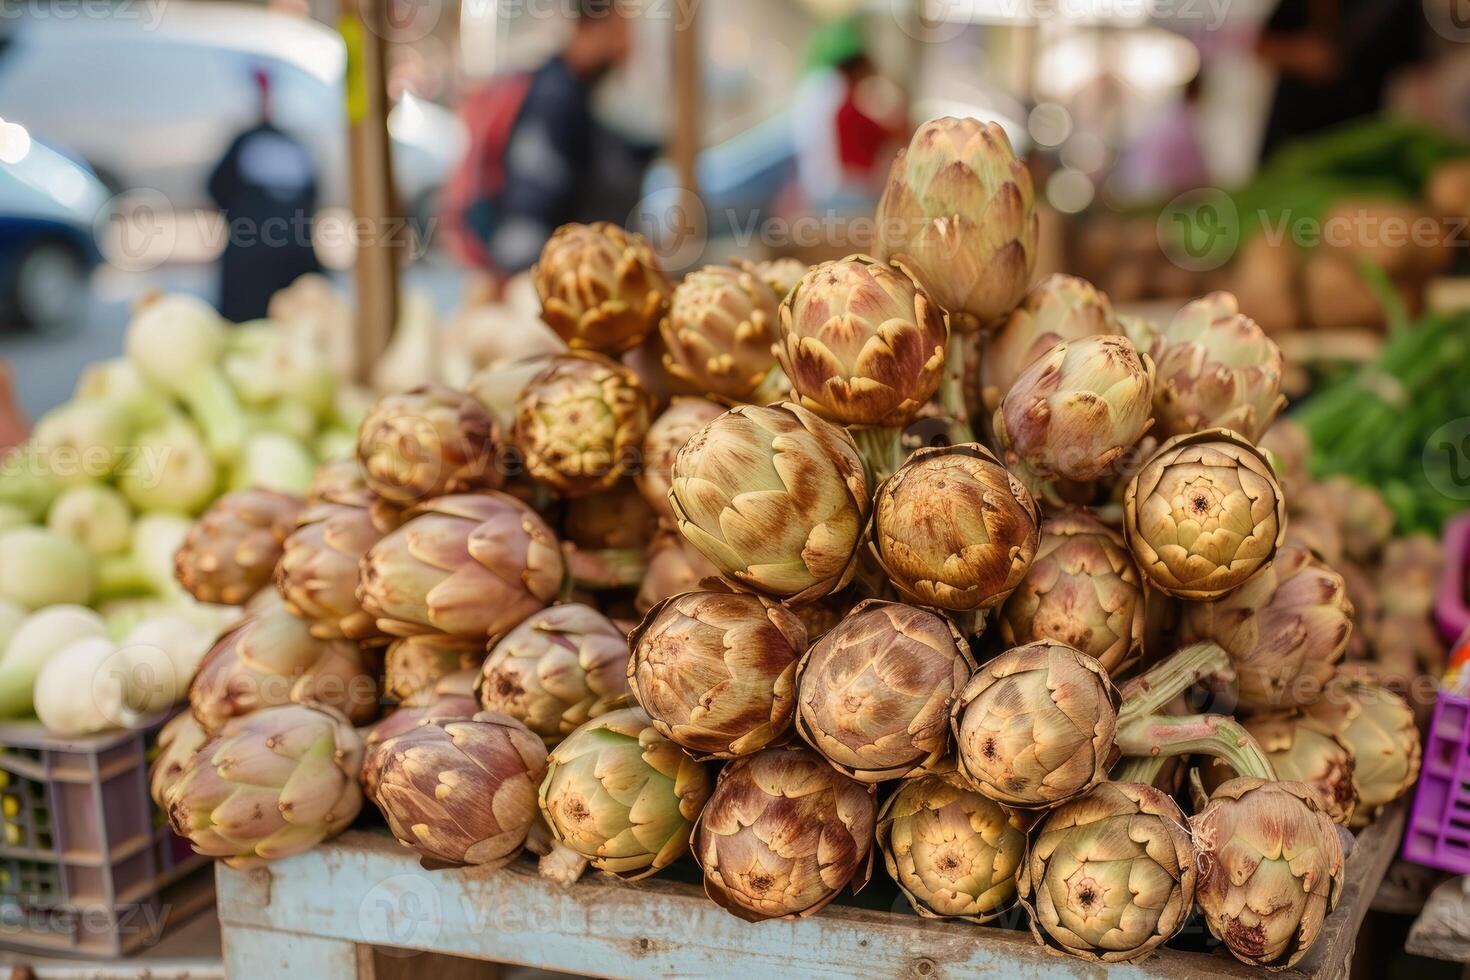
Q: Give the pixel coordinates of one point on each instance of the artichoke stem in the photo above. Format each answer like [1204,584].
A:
[952,391]
[1148,694]
[1143,769]
[562,865]
[882,450]
[1218,736]
[610,568]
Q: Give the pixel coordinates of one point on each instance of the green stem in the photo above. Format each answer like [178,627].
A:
[212,403]
[1143,769]
[1147,694]
[952,391]
[882,450]
[1218,736]
[611,568]
[122,577]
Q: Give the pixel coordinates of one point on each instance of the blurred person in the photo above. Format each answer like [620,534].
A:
[537,155]
[1334,59]
[1169,157]
[265,186]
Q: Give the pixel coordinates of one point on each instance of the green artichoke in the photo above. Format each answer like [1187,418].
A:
[1204,515]
[953,852]
[719,330]
[413,665]
[317,574]
[1034,726]
[1301,753]
[1217,369]
[601,287]
[959,213]
[428,442]
[716,672]
[1110,876]
[1059,309]
[1077,409]
[953,529]
[861,343]
[557,669]
[467,565]
[873,694]
[775,498]
[666,436]
[622,796]
[1379,727]
[783,834]
[1270,869]
[580,424]
[268,785]
[230,554]
[459,791]
[1082,590]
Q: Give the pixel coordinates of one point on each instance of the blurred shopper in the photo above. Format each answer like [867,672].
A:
[536,153]
[265,185]
[1169,157]
[1334,59]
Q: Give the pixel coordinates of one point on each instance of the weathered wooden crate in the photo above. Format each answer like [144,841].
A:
[319,915]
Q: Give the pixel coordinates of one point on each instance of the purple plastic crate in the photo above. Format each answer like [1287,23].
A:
[1450,610]
[1438,834]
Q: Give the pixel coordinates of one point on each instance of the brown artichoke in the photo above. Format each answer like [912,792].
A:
[1378,726]
[428,442]
[1270,870]
[450,697]
[873,694]
[1290,450]
[1034,727]
[1364,517]
[861,343]
[339,481]
[580,424]
[229,555]
[716,672]
[959,212]
[1285,630]
[1082,590]
[601,287]
[317,575]
[1056,310]
[674,567]
[719,330]
[467,565]
[1217,369]
[617,520]
[666,436]
[952,528]
[953,852]
[1110,876]
[177,742]
[622,796]
[783,833]
[459,791]
[1204,515]
[1300,753]
[775,498]
[413,665]
[1408,576]
[271,659]
[557,669]
[1077,409]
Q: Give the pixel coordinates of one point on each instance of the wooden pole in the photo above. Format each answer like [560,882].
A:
[684,139]
[364,27]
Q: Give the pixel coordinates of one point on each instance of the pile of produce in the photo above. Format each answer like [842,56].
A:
[969,659]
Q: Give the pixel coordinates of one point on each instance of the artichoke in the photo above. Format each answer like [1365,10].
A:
[622,796]
[617,520]
[1217,369]
[959,213]
[873,694]
[459,791]
[467,565]
[666,436]
[1290,449]
[861,343]
[719,330]
[1379,727]
[451,697]
[783,833]
[775,498]
[1082,590]
[271,659]
[1034,727]
[716,672]
[1204,515]
[413,665]
[269,785]
[1300,753]
[229,555]
[339,481]
[952,528]
[428,442]
[782,274]
[1059,309]
[1363,516]
[580,424]
[1077,409]
[674,567]
[1408,576]
[557,669]
[1285,630]
[177,742]
[601,287]
[1270,869]
[1110,876]
[953,852]
[317,575]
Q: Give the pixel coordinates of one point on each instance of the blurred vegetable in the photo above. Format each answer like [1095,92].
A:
[37,639]
[232,552]
[42,568]
[94,516]
[170,469]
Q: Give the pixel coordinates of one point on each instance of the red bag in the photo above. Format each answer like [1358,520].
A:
[489,115]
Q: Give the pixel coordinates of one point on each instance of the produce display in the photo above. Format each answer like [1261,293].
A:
[725,606]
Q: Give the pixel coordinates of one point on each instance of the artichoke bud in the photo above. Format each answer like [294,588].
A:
[426,443]
[414,665]
[1379,727]
[231,553]
[1300,753]
[666,436]
[719,330]
[600,286]
[1057,310]
[317,575]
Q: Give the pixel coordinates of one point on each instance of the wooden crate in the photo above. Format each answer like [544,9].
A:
[318,915]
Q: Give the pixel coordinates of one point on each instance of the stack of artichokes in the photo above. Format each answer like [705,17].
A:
[758,625]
